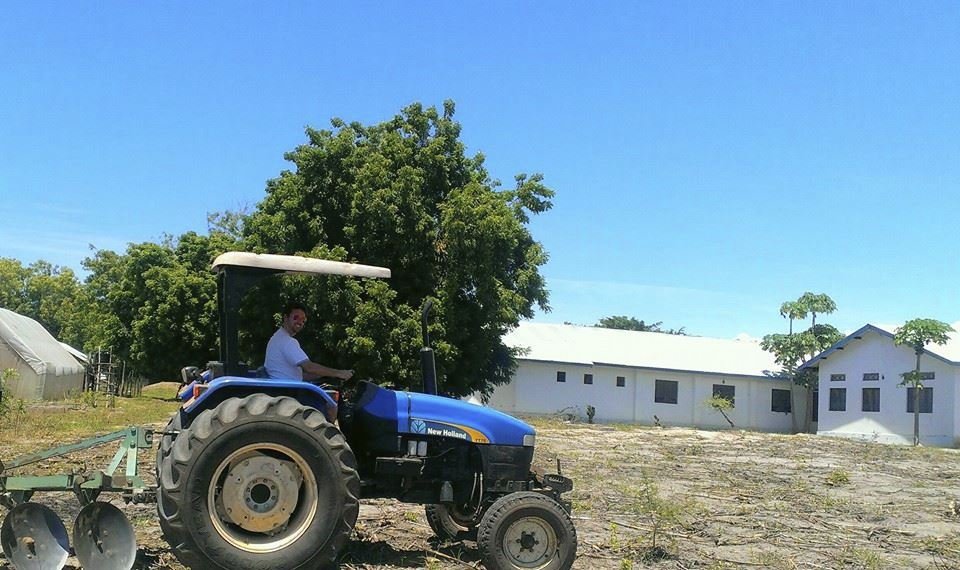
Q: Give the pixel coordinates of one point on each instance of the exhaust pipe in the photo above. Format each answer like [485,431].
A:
[427,362]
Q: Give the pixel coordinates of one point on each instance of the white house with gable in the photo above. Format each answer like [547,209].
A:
[860,395]
[643,377]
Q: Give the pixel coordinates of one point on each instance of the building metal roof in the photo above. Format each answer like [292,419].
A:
[592,346]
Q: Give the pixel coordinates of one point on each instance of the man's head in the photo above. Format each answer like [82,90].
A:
[294,317]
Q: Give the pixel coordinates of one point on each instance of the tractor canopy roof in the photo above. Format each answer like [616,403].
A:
[271,263]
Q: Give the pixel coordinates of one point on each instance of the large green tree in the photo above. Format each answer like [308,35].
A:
[623,322]
[158,302]
[51,295]
[794,348]
[917,333]
[403,194]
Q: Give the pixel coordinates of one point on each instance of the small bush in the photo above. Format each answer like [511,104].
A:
[722,405]
[838,477]
[12,411]
[5,399]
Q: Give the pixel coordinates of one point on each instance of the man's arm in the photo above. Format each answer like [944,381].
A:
[314,370]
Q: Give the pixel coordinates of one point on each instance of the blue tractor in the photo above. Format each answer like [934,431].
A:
[268,473]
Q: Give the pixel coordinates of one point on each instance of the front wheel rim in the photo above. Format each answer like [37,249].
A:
[530,542]
[262,498]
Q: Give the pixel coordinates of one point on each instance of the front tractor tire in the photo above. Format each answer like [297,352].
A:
[259,482]
[527,530]
[449,523]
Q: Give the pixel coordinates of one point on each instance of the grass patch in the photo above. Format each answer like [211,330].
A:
[860,559]
[838,477]
[945,546]
[66,421]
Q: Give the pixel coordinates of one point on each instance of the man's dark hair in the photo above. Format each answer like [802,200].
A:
[291,307]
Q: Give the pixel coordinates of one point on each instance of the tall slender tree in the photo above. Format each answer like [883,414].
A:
[792,311]
[916,334]
[794,348]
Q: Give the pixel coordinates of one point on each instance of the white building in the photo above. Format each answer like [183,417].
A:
[643,377]
[860,395]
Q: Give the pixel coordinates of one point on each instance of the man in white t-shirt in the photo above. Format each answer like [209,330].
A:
[286,360]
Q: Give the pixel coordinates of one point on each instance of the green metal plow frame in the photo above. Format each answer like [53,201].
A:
[87,486]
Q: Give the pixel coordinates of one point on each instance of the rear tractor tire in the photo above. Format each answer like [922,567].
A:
[527,530]
[259,482]
[167,440]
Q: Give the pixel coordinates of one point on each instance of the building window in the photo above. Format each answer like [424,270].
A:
[621,381]
[838,399]
[926,400]
[816,406]
[561,376]
[724,391]
[871,400]
[665,392]
[780,400]
[871,376]
[588,378]
[838,377]
[927,375]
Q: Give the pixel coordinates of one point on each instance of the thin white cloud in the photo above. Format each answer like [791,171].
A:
[66,246]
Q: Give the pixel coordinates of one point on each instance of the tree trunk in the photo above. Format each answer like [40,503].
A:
[916,402]
[916,416]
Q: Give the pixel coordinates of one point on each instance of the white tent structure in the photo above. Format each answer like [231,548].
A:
[76,353]
[44,369]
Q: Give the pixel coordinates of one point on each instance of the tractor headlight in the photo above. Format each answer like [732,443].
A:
[529,440]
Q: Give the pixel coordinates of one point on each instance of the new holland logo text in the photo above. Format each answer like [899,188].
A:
[439,429]
[446,432]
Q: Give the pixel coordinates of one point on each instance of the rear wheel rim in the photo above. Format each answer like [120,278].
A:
[262,497]
[530,542]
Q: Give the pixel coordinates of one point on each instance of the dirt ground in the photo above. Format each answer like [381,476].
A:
[681,498]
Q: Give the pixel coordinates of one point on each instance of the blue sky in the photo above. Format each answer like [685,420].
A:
[711,159]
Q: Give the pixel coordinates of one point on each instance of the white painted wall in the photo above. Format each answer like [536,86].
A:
[892,424]
[534,389]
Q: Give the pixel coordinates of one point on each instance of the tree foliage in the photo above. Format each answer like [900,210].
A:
[403,194]
[159,302]
[623,322]
[791,350]
[51,295]
[794,348]
[916,334]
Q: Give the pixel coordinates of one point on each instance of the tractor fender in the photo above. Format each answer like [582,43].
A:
[227,387]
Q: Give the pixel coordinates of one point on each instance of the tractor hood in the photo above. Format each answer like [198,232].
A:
[380,409]
[425,414]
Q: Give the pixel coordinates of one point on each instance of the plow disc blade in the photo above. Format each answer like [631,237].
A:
[34,538]
[103,538]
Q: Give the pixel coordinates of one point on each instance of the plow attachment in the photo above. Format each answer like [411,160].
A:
[34,538]
[103,538]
